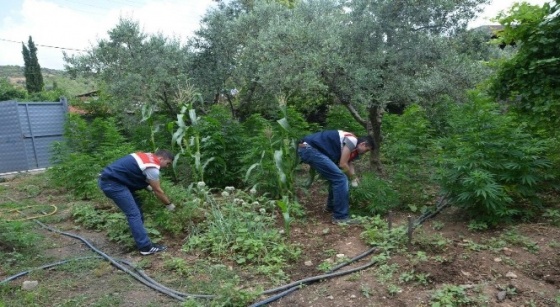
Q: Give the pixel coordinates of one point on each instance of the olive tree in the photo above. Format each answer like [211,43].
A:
[363,54]
[135,68]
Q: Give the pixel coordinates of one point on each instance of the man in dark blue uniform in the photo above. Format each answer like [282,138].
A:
[128,174]
[331,154]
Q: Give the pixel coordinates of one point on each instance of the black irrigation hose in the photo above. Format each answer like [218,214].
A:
[150,283]
[50,265]
[46,266]
[296,285]
[146,280]
[442,203]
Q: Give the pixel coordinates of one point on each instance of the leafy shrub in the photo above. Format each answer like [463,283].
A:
[242,230]
[450,295]
[407,140]
[15,236]
[488,164]
[188,209]
[224,142]
[86,150]
[373,195]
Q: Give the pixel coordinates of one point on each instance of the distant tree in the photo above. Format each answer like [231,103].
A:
[32,69]
[136,69]
[9,91]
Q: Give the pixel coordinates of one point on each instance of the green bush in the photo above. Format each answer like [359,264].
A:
[15,236]
[373,195]
[408,155]
[88,147]
[223,140]
[489,165]
[270,160]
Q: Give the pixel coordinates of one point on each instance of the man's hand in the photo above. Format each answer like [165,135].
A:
[170,207]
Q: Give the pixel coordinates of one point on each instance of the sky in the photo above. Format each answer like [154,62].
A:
[76,25]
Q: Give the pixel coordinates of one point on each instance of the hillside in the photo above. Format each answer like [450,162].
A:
[51,77]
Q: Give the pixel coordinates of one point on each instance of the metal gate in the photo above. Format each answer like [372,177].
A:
[27,131]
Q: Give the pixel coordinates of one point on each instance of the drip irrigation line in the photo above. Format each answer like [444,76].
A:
[46,266]
[28,218]
[177,295]
[287,289]
[296,285]
[442,203]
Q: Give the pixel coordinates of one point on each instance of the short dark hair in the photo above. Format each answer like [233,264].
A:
[166,154]
[368,139]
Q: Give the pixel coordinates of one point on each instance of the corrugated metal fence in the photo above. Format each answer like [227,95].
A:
[27,131]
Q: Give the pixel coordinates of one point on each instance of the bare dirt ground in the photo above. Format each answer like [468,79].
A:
[527,271]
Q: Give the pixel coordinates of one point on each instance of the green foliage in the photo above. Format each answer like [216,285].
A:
[377,233]
[224,141]
[188,209]
[135,68]
[450,296]
[529,80]
[16,237]
[408,154]
[552,216]
[373,195]
[189,136]
[274,147]
[379,59]
[111,221]
[240,230]
[77,173]
[88,147]
[32,69]
[339,118]
[489,165]
[9,91]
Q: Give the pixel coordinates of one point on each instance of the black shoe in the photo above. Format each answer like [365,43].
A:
[152,249]
[346,221]
[327,209]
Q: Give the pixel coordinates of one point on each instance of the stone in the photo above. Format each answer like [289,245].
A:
[29,285]
[501,296]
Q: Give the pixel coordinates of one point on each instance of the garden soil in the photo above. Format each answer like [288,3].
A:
[527,277]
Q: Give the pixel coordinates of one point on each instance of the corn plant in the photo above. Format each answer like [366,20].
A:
[188,138]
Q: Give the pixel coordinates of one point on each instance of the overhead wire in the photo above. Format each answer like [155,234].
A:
[40,45]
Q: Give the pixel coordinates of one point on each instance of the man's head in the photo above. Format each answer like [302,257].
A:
[165,157]
[365,144]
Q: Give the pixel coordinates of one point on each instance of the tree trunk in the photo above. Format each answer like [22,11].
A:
[375,117]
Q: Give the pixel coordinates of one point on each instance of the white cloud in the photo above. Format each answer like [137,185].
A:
[61,24]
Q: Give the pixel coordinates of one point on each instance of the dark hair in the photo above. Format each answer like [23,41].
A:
[368,139]
[166,154]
